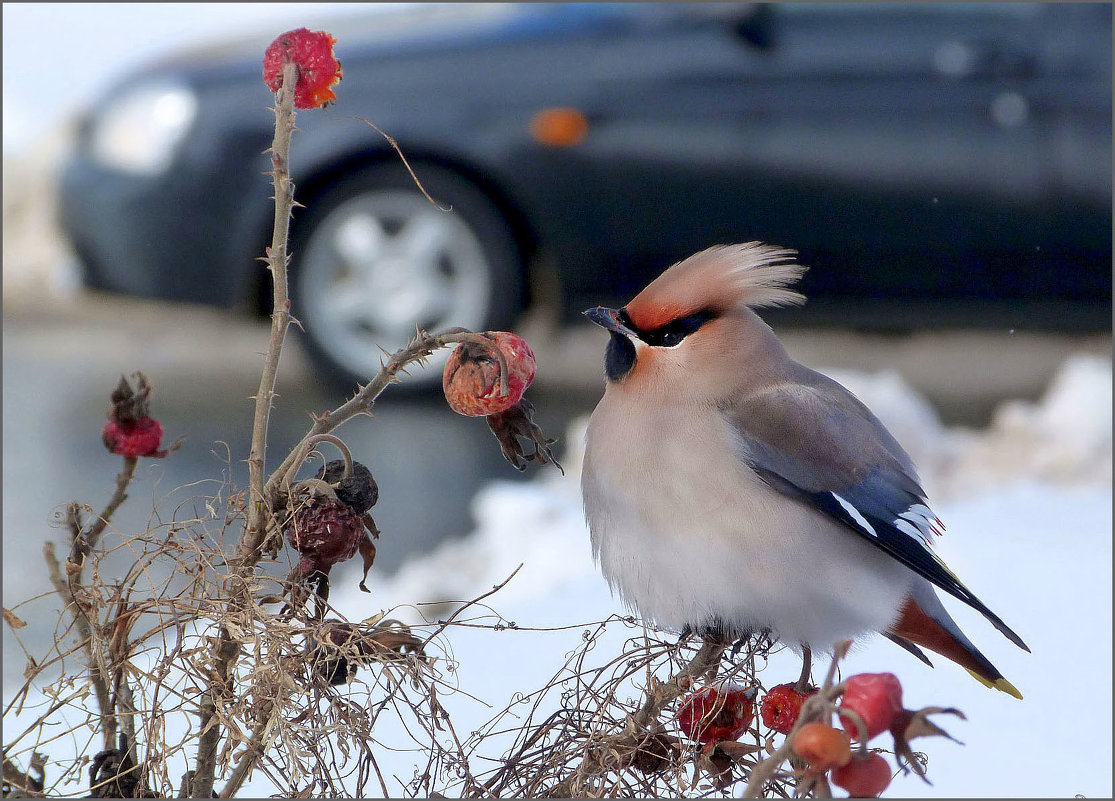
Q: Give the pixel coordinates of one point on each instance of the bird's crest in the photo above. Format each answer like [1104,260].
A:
[721,277]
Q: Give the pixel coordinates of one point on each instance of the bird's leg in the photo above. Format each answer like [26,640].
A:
[804,683]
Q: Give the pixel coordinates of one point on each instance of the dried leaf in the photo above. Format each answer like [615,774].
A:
[12,619]
[518,422]
[393,641]
[909,725]
[717,764]
[368,554]
[921,726]
[735,750]
[374,619]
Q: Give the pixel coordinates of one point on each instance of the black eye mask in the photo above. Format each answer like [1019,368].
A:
[673,332]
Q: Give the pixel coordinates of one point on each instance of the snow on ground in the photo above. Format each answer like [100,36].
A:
[1028,507]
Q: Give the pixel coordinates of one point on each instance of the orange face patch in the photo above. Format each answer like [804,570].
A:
[647,315]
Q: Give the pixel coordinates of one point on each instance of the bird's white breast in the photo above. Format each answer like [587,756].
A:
[689,535]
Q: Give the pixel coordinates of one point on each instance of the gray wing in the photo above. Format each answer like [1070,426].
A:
[814,441]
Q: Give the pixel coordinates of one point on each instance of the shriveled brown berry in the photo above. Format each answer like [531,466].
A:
[324,531]
[471,378]
[328,658]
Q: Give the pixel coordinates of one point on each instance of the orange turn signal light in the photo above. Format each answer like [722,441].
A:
[559,127]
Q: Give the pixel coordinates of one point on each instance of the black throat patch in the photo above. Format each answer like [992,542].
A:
[619,356]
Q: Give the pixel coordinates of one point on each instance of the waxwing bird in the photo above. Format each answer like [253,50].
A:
[730,490]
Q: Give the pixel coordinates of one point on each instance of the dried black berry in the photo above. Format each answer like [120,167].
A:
[359,491]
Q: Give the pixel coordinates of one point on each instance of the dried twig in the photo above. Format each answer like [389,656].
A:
[22,785]
[85,540]
[445,624]
[97,675]
[249,548]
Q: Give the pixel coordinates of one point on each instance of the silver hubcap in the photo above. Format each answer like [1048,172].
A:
[383,263]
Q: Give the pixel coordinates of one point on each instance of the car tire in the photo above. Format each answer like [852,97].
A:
[373,258]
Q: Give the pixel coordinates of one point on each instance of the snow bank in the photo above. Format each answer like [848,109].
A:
[1064,439]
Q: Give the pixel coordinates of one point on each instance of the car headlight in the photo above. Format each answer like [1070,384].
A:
[141,130]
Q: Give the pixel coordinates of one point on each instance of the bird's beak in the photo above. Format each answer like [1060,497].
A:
[608,319]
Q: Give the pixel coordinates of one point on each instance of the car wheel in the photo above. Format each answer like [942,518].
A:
[373,259]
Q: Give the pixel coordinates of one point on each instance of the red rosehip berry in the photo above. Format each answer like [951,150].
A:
[714,714]
[781,706]
[318,68]
[863,777]
[471,378]
[875,697]
[822,746]
[130,430]
[134,438]
[324,531]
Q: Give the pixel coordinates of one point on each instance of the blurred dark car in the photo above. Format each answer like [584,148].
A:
[940,164]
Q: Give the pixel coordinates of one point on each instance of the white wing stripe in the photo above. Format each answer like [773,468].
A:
[860,520]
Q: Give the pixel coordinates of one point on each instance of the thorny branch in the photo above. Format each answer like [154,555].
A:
[249,547]
[277,260]
[262,496]
[416,351]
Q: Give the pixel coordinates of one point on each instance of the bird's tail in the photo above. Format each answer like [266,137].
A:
[924,621]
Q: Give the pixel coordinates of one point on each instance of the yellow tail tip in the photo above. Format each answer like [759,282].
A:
[1000,684]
